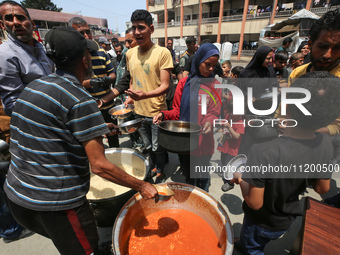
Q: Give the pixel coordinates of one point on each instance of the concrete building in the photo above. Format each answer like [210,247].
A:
[224,20]
[45,20]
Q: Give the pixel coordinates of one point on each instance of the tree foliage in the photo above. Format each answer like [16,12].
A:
[47,5]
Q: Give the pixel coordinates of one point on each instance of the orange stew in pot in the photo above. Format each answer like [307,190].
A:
[122,111]
[173,231]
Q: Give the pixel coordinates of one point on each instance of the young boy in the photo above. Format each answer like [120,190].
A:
[149,66]
[230,141]
[226,67]
[271,200]
[295,60]
[235,72]
[279,64]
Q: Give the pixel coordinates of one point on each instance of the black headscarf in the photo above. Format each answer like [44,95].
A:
[193,82]
[249,77]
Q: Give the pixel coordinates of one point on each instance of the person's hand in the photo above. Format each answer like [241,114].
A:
[158,118]
[237,178]
[227,125]
[136,94]
[148,191]
[128,101]
[99,102]
[113,129]
[99,82]
[207,128]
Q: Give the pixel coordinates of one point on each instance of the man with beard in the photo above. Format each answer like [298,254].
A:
[169,46]
[118,49]
[116,60]
[56,129]
[324,44]
[22,58]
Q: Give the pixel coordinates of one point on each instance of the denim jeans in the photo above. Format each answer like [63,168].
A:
[254,238]
[9,228]
[149,133]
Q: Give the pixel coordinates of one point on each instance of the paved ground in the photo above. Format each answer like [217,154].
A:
[231,202]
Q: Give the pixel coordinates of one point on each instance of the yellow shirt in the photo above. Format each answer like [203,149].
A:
[145,71]
[334,127]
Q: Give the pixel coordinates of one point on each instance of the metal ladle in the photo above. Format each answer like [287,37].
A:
[164,192]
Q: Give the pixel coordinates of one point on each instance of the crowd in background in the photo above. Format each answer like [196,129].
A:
[58,100]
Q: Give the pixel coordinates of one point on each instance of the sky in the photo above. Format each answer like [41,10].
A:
[117,12]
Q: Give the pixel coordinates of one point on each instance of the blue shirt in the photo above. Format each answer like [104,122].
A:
[20,64]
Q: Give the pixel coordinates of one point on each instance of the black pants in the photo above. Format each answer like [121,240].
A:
[113,140]
[73,232]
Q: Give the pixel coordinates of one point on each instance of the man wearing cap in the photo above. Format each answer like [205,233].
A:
[22,58]
[104,75]
[56,128]
[104,43]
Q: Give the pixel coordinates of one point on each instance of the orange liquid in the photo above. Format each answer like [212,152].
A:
[173,231]
[122,111]
[132,130]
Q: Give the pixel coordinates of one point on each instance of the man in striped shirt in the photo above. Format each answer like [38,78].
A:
[56,128]
[104,75]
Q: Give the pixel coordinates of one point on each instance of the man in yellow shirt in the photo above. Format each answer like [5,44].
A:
[149,66]
[324,44]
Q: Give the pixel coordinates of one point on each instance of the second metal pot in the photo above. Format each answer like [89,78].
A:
[178,136]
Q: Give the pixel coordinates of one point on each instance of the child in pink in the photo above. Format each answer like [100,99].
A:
[231,138]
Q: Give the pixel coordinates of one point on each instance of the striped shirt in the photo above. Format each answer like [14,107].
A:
[102,66]
[51,119]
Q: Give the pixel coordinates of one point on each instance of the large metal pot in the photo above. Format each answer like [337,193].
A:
[105,210]
[178,136]
[186,197]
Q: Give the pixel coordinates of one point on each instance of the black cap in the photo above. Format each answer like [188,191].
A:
[65,44]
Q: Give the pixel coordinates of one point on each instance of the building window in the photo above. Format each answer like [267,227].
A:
[205,15]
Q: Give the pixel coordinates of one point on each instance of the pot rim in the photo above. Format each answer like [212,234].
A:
[135,198]
[130,122]
[120,107]
[130,151]
[178,132]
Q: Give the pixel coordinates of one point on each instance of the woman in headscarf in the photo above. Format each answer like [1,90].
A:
[304,49]
[260,75]
[187,107]
[258,67]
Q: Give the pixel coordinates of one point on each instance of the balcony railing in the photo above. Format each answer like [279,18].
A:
[323,10]
[318,11]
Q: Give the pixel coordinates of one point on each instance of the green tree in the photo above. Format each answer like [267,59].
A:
[47,5]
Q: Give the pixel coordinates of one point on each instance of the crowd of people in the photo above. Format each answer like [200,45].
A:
[57,99]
